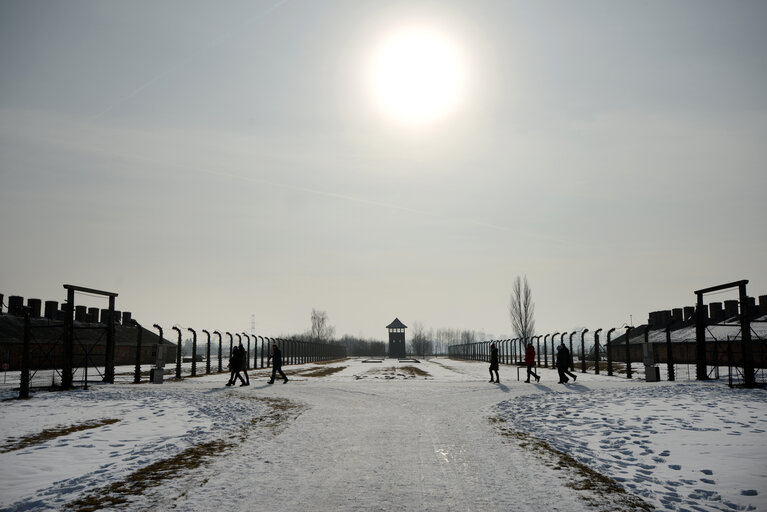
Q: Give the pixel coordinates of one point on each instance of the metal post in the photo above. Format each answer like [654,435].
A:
[553,352]
[137,371]
[194,351]
[538,345]
[700,336]
[178,353]
[247,352]
[262,351]
[572,359]
[609,353]
[69,328]
[628,352]
[749,375]
[583,350]
[231,343]
[109,371]
[207,353]
[25,360]
[596,351]
[220,354]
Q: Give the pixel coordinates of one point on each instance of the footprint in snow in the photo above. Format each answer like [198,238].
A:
[707,472]
[675,467]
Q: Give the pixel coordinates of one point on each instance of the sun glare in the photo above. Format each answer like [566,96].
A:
[417,75]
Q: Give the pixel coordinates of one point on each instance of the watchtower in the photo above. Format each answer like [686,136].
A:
[397,339]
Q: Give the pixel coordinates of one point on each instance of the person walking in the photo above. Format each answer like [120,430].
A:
[494,363]
[569,362]
[276,357]
[244,365]
[235,364]
[530,362]
[563,364]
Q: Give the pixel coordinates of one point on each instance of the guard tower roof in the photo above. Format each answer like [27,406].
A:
[396,324]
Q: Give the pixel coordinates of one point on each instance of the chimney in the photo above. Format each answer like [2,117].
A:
[753,309]
[118,317]
[1,302]
[81,313]
[35,306]
[51,309]
[717,314]
[16,305]
[762,304]
[689,313]
[93,315]
[730,308]
[105,316]
[127,318]
[676,315]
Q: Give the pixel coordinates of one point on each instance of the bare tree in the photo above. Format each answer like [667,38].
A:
[522,309]
[322,331]
[420,340]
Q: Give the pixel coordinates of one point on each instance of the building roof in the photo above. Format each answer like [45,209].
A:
[396,324]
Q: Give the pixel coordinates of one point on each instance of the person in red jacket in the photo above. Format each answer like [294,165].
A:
[530,362]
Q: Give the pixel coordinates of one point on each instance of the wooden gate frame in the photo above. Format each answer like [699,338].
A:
[69,327]
[749,377]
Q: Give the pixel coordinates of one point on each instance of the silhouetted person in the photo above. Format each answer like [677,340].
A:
[235,366]
[277,364]
[563,364]
[494,363]
[244,365]
[530,362]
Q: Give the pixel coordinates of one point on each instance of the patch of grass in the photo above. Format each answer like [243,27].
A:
[446,367]
[52,433]
[137,483]
[414,371]
[320,372]
[406,371]
[331,361]
[603,492]
[152,475]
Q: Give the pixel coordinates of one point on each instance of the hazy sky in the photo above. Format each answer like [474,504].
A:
[210,161]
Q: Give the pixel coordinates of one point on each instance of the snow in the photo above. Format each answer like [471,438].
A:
[374,436]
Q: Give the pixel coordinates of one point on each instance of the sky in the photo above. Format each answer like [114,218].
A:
[221,163]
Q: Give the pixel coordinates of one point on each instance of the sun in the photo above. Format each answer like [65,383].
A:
[417,75]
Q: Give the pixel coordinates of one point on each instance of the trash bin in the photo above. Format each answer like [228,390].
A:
[156,375]
[651,374]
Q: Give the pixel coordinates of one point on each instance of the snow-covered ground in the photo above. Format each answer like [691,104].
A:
[356,435]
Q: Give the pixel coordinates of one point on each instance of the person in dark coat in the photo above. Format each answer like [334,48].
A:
[530,362]
[563,364]
[277,364]
[494,363]
[244,365]
[236,365]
